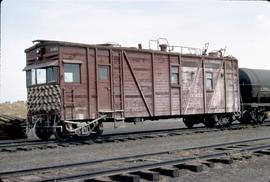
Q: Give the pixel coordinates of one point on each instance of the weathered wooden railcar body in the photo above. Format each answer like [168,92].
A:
[135,82]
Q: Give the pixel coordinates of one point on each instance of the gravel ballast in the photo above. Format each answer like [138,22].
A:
[249,170]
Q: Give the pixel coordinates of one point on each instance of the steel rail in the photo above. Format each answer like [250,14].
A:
[125,135]
[111,136]
[194,129]
[109,172]
[103,137]
[38,169]
[26,143]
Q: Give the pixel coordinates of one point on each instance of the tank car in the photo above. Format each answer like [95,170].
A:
[255,94]
[73,88]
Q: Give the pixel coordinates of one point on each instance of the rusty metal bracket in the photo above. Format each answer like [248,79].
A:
[81,126]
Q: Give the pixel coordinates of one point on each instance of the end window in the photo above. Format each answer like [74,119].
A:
[28,78]
[52,74]
[209,81]
[72,73]
[41,76]
[175,75]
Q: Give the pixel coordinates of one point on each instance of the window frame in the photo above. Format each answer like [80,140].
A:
[39,79]
[177,73]
[33,71]
[56,74]
[107,67]
[28,78]
[80,75]
[212,81]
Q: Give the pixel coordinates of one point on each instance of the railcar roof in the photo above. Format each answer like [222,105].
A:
[41,42]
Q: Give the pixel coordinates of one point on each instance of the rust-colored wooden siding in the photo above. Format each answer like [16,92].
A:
[192,85]
[141,86]
[140,82]
[74,95]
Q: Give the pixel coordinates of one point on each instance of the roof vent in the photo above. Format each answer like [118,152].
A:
[213,54]
[163,47]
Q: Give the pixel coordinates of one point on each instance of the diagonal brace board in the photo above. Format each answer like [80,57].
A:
[137,83]
[190,91]
[215,86]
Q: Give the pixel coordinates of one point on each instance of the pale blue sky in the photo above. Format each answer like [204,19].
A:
[242,26]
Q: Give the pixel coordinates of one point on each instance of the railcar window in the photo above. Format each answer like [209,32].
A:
[33,75]
[209,81]
[52,74]
[103,72]
[175,75]
[28,78]
[72,73]
[41,76]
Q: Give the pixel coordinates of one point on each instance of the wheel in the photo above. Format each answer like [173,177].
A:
[97,131]
[211,121]
[188,122]
[60,132]
[224,120]
[210,124]
[246,118]
[42,132]
[261,116]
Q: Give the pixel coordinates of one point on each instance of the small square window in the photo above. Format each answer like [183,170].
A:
[72,73]
[209,81]
[103,73]
[175,75]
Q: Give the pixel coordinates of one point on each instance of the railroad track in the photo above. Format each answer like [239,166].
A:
[27,145]
[149,166]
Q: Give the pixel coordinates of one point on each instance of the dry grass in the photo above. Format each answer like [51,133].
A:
[18,108]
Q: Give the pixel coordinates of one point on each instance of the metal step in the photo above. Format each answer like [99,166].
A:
[119,111]
[118,119]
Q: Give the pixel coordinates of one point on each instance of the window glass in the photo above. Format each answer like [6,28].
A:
[41,76]
[175,75]
[52,74]
[103,73]
[174,78]
[28,78]
[72,73]
[175,69]
[33,76]
[209,81]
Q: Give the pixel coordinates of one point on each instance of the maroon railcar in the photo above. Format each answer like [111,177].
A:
[73,87]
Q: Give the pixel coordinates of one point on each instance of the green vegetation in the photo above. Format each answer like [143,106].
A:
[18,108]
